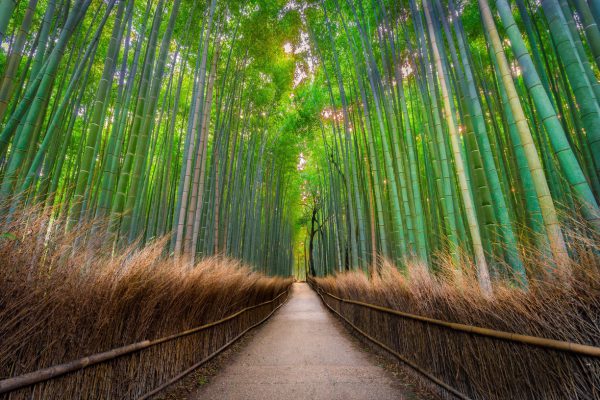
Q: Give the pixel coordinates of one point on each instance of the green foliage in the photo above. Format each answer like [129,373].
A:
[226,127]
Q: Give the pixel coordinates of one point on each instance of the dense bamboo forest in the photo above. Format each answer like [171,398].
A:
[377,140]
[229,125]
[450,134]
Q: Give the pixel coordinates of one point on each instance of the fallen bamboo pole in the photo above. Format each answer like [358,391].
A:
[41,375]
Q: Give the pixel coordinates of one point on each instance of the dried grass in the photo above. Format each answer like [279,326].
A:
[565,309]
[63,297]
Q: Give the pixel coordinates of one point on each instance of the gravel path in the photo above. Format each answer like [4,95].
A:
[303,352]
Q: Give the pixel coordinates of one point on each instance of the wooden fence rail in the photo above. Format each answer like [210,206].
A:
[41,375]
[577,348]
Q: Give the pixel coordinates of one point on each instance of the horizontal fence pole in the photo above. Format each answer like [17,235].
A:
[41,375]
[582,349]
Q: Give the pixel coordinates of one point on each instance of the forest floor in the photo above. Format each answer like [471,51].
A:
[303,352]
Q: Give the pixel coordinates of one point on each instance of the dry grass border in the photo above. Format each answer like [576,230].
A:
[63,297]
[565,308]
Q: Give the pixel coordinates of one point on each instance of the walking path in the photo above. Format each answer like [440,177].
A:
[302,352]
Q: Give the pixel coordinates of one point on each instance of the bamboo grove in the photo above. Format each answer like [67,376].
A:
[343,132]
[454,129]
[155,118]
